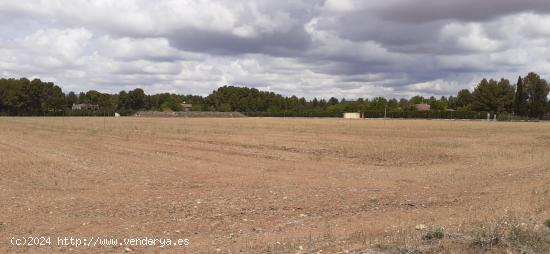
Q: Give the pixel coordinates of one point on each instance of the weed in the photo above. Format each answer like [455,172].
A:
[434,234]
[531,239]
[486,237]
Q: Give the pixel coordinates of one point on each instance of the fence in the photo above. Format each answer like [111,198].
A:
[381,114]
[188,114]
[293,114]
[475,115]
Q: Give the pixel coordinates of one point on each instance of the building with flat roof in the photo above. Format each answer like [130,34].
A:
[352,115]
[85,106]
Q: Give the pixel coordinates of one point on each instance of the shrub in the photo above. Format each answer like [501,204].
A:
[486,237]
[547,223]
[530,239]
[437,233]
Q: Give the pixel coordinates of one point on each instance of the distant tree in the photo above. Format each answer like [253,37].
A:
[71,99]
[506,96]
[404,104]
[34,92]
[393,104]
[417,100]
[464,99]
[378,103]
[452,103]
[315,103]
[107,103]
[13,99]
[24,97]
[443,103]
[485,96]
[53,100]
[137,99]
[93,96]
[82,98]
[493,96]
[537,90]
[520,99]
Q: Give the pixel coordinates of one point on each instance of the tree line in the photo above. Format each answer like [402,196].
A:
[23,97]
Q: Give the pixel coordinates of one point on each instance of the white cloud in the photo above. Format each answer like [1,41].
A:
[128,48]
[325,48]
[470,37]
[339,5]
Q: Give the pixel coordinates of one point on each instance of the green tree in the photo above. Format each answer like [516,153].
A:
[417,100]
[506,96]
[71,99]
[137,99]
[13,99]
[332,101]
[93,97]
[537,90]
[520,99]
[82,98]
[493,96]
[464,99]
[53,99]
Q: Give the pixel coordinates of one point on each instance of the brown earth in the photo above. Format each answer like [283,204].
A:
[265,184]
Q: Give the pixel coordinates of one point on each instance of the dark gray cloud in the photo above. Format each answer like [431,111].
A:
[286,43]
[343,48]
[419,11]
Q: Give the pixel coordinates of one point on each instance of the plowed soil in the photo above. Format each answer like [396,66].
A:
[264,184]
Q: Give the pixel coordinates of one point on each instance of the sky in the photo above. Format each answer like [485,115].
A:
[311,48]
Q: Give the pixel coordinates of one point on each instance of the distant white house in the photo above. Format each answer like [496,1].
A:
[85,106]
[353,115]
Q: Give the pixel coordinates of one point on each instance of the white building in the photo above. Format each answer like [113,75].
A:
[353,115]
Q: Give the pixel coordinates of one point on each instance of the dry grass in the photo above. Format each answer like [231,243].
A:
[262,184]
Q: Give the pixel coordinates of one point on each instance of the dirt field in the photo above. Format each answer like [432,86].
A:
[262,184]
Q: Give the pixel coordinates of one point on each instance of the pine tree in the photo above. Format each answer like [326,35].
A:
[493,96]
[537,90]
[520,99]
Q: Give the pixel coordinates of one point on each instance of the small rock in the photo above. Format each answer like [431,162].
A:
[420,227]
[128,249]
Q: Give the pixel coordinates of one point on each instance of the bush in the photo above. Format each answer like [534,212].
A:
[486,237]
[531,239]
[437,233]
[547,223]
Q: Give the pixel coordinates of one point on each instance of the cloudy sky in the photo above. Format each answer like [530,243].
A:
[311,48]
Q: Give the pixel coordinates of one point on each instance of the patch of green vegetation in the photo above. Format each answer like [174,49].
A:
[547,223]
[486,237]
[434,234]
